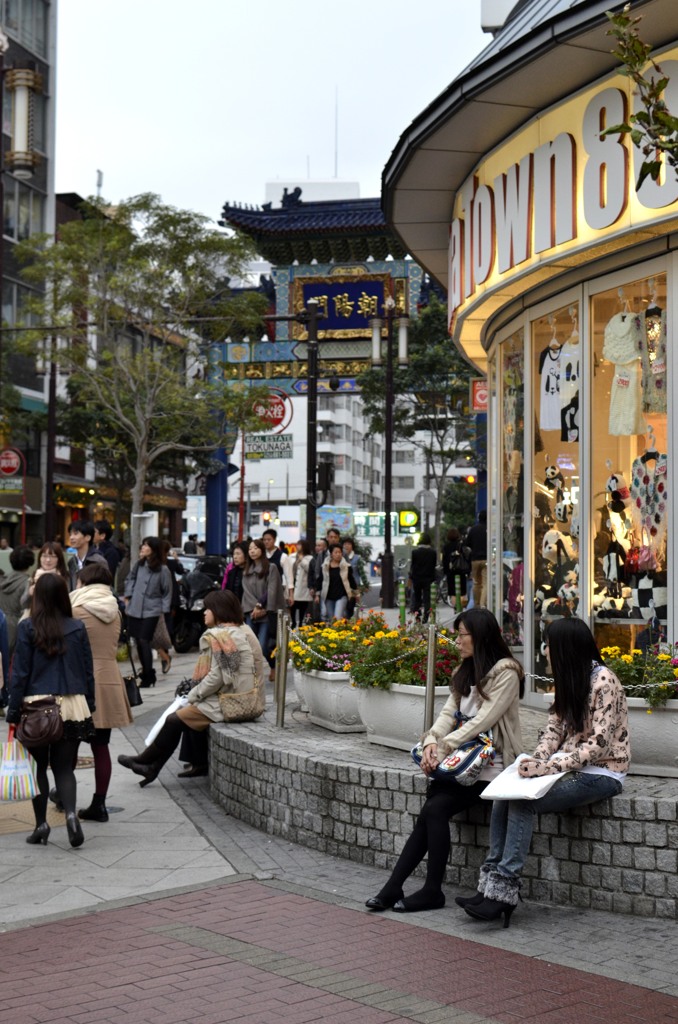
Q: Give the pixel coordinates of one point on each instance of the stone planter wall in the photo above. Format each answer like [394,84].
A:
[341,795]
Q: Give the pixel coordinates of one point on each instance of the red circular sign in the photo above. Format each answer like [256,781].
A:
[275,409]
[10,462]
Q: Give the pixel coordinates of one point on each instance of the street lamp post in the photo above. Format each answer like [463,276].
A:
[312,422]
[391,315]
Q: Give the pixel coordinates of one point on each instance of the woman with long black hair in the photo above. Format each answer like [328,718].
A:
[586,736]
[485,690]
[148,595]
[53,658]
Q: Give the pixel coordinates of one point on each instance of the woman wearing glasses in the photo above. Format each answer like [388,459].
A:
[586,742]
[485,689]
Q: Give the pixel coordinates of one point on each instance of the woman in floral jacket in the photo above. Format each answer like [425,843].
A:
[586,736]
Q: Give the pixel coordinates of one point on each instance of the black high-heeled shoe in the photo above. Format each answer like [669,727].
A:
[420,901]
[469,901]
[491,910]
[383,902]
[166,665]
[149,771]
[74,829]
[39,835]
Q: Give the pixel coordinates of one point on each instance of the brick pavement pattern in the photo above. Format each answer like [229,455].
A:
[253,953]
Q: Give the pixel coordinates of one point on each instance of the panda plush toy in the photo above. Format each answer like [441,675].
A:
[556,546]
[619,493]
[554,479]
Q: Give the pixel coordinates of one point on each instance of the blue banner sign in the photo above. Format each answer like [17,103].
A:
[346,305]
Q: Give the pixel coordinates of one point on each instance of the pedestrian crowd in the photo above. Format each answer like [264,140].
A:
[62,620]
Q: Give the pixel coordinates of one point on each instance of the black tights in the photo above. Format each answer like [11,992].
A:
[431,834]
[60,757]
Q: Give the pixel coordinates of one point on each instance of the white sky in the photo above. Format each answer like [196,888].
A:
[204,102]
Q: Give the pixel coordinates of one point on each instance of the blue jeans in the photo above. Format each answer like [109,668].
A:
[513,820]
[260,629]
[336,609]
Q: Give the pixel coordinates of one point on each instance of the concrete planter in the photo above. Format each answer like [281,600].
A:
[395,717]
[331,699]
[654,738]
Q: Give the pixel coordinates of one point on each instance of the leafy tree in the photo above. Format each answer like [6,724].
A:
[135,295]
[654,129]
[431,405]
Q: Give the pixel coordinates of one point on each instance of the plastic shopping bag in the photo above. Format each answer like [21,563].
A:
[17,771]
[178,702]
[510,785]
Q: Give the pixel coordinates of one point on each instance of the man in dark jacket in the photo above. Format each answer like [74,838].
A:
[14,589]
[81,537]
[422,576]
[103,531]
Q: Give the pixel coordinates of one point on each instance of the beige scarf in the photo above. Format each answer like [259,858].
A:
[216,643]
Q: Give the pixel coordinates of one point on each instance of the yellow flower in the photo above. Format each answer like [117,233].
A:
[627,658]
[333,645]
[675,673]
[379,635]
[636,651]
[392,635]
[663,657]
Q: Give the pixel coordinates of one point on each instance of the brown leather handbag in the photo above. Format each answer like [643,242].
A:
[41,722]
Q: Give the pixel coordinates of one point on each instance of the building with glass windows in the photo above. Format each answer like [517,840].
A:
[28,119]
[562,282]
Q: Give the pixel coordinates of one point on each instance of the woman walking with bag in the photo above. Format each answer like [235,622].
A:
[95,606]
[230,662]
[262,597]
[53,659]
[586,736]
[148,595]
[485,690]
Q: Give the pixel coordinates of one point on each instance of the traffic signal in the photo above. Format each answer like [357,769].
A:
[325,476]
[470,479]
[267,518]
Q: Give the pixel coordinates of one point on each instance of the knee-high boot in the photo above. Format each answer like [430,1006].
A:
[151,760]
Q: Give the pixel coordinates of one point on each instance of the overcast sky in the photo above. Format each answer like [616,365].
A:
[204,102]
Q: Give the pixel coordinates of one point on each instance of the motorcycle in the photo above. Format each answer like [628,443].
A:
[189,623]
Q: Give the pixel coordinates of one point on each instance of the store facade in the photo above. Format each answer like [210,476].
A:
[563,287]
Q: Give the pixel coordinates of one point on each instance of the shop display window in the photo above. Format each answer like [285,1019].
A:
[630,464]
[512,490]
[555,471]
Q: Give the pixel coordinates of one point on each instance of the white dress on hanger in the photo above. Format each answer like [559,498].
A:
[549,372]
[623,346]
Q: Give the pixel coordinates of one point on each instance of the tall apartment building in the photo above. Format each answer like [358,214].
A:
[28,144]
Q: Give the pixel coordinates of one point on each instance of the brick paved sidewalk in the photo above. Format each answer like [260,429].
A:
[252,953]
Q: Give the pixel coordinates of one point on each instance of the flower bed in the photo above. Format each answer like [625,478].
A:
[331,648]
[651,675]
[397,657]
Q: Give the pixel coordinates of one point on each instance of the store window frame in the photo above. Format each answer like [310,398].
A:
[581,294]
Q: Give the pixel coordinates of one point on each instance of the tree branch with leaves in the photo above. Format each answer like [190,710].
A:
[134,297]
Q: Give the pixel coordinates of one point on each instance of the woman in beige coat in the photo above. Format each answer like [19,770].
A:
[230,661]
[485,690]
[94,603]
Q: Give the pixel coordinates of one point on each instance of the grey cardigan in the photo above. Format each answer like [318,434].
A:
[499,711]
[149,591]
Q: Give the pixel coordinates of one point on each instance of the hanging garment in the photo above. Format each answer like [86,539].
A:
[649,494]
[569,389]
[549,373]
[653,360]
[623,346]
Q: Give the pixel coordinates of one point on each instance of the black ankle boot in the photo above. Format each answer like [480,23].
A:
[73,827]
[96,810]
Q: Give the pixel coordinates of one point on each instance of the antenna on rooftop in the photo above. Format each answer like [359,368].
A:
[336,131]
[100,182]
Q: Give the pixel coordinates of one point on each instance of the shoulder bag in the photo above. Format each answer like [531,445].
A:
[464,764]
[245,706]
[40,723]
